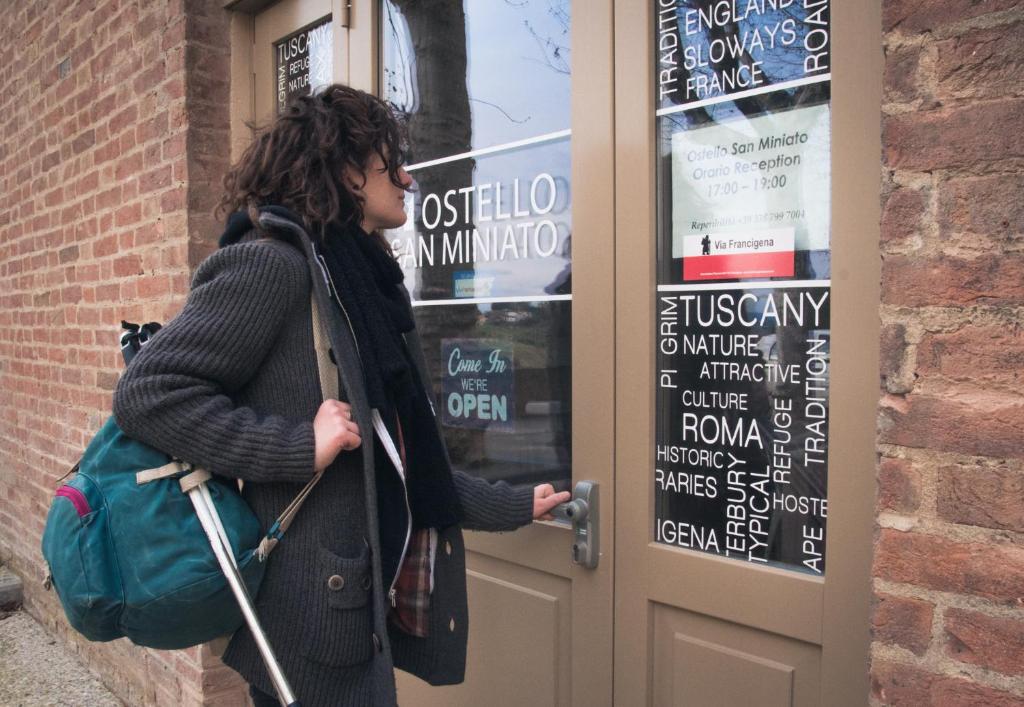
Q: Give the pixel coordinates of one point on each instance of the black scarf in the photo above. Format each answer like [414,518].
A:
[367,280]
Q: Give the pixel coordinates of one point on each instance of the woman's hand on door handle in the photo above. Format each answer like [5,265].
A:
[545,498]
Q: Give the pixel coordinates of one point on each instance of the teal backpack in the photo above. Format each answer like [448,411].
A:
[126,551]
[131,559]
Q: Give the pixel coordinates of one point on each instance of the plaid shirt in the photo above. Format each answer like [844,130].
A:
[410,604]
[410,598]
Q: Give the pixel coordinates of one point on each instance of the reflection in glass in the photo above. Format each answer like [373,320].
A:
[484,89]
[514,57]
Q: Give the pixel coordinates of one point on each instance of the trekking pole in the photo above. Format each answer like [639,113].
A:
[210,520]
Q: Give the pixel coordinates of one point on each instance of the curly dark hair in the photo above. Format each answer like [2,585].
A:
[297,160]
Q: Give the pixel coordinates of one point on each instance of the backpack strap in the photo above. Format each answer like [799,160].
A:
[161,472]
[329,387]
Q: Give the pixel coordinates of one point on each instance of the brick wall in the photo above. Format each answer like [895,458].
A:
[114,136]
[949,560]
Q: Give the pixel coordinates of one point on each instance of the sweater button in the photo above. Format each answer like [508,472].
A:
[335,582]
[448,547]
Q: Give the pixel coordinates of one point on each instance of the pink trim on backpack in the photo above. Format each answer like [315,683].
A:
[77,498]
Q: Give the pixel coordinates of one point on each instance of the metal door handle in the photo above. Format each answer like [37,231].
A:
[583,512]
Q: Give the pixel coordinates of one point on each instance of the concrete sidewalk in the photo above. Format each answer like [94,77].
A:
[35,670]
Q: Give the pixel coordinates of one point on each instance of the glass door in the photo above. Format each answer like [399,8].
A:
[507,255]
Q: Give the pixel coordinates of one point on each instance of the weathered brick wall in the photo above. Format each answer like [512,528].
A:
[949,561]
[109,167]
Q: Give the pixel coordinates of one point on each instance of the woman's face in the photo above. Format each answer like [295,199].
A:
[383,202]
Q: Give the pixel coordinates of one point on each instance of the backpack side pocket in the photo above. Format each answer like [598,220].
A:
[76,545]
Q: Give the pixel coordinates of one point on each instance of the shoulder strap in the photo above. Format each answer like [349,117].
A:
[329,387]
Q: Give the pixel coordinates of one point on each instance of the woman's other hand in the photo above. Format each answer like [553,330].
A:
[544,499]
[334,431]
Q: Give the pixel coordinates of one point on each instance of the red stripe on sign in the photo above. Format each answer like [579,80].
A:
[720,267]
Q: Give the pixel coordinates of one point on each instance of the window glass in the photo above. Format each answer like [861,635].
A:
[484,89]
[501,67]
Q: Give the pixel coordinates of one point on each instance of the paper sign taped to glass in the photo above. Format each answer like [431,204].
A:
[757,187]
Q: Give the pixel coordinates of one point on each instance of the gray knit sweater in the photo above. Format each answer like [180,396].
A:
[231,384]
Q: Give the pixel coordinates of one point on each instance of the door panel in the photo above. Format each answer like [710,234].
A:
[527,637]
[726,589]
[703,661]
[693,626]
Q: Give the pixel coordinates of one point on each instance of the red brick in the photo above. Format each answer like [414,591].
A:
[68,254]
[154,286]
[892,348]
[916,281]
[903,621]
[123,119]
[149,79]
[173,200]
[991,206]
[102,108]
[107,380]
[901,81]
[107,199]
[985,63]
[966,137]
[901,685]
[155,127]
[174,146]
[964,421]
[127,141]
[902,214]
[990,355]
[128,265]
[128,167]
[991,571]
[155,180]
[954,692]
[990,497]
[926,15]
[898,486]
[84,141]
[992,642]
[128,214]
[50,161]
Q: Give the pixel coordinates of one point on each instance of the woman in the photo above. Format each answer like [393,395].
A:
[371,574]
